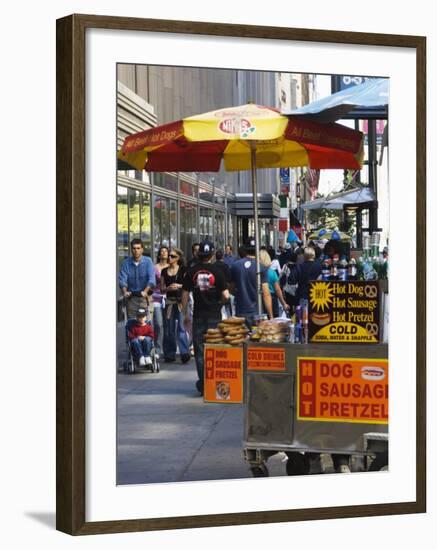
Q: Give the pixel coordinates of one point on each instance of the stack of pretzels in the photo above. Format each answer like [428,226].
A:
[235,330]
[230,331]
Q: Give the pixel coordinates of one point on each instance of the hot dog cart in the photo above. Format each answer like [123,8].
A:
[329,395]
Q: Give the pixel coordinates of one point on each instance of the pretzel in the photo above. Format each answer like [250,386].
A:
[372,329]
[211,340]
[216,331]
[234,321]
[370,291]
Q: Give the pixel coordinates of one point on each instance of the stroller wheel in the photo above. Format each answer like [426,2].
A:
[130,366]
[155,364]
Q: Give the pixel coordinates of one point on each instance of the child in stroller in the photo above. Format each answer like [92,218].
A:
[140,336]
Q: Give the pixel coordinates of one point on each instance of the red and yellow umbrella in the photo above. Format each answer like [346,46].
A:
[199,143]
[245,138]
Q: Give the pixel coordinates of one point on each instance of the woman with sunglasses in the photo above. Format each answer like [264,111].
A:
[158,299]
[171,285]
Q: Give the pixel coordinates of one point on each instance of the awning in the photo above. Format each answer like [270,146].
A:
[353,197]
[372,94]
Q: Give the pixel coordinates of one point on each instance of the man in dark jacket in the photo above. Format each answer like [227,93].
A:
[307,271]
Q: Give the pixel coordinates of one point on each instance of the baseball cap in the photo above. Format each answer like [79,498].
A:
[249,244]
[141,312]
[206,248]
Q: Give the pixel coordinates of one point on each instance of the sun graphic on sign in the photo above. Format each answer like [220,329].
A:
[321,296]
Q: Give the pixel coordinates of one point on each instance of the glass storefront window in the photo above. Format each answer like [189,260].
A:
[187,188]
[122,225]
[206,223]
[134,214]
[146,233]
[219,230]
[166,181]
[173,228]
[188,224]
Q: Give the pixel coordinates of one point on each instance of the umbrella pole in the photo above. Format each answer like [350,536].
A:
[255,220]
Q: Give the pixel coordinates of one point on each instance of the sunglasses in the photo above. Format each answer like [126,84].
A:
[173,256]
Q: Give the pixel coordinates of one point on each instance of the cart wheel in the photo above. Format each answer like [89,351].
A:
[380,462]
[259,470]
[298,464]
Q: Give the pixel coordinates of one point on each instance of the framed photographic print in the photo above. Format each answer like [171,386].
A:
[177,143]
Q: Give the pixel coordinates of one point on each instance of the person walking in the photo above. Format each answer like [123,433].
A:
[194,252]
[307,271]
[244,285]
[136,279]
[228,257]
[226,270]
[171,287]
[288,281]
[208,285]
[158,300]
[273,282]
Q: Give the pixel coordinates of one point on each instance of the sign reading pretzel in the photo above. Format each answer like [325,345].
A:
[223,374]
[344,311]
[339,389]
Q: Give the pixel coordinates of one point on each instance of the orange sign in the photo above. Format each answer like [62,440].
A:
[265,358]
[223,374]
[338,389]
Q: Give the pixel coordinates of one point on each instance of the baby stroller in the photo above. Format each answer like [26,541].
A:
[131,364]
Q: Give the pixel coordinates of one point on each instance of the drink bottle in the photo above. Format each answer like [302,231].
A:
[326,269]
[334,268]
[352,269]
[343,269]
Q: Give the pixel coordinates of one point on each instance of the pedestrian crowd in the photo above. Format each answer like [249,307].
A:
[183,299]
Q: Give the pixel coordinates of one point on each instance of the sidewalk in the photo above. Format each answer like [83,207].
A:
[166,433]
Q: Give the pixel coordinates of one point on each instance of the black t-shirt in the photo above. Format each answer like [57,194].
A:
[170,279]
[207,283]
[224,268]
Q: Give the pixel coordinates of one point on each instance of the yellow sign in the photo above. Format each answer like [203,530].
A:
[344,311]
[338,389]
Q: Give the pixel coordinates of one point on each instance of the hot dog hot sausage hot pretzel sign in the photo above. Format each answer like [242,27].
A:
[344,312]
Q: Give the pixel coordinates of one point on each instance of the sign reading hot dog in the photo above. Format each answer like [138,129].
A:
[344,311]
[336,389]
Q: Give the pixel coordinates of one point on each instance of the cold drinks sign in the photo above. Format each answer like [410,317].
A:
[344,311]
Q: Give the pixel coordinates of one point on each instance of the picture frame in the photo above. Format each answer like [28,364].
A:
[71,297]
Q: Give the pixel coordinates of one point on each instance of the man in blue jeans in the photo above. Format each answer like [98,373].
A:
[136,279]
[208,285]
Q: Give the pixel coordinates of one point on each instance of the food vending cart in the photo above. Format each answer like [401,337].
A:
[327,393]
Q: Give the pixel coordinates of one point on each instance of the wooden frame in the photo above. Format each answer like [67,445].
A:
[71,414]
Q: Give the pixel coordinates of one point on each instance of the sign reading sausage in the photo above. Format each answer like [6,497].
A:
[344,311]
[223,367]
[337,389]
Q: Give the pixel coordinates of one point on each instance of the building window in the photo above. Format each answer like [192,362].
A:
[134,214]
[122,225]
[165,222]
[206,223]
[188,225]
[145,222]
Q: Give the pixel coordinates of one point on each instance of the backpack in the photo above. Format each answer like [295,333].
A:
[289,278]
